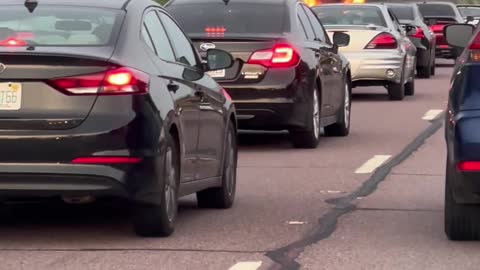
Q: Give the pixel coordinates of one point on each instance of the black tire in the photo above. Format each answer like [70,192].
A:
[396,91]
[410,88]
[424,72]
[224,196]
[342,127]
[309,137]
[462,221]
[158,220]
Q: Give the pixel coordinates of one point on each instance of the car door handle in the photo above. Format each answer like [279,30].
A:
[173,87]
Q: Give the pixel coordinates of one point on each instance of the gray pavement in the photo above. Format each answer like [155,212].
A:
[283,214]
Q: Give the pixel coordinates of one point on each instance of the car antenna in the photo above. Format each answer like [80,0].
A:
[31,5]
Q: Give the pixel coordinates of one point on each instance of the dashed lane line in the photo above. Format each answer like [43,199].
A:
[372,164]
[246,266]
[431,115]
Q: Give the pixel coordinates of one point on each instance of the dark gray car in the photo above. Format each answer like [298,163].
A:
[422,37]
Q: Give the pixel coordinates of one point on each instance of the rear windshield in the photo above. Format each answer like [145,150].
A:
[232,19]
[58,26]
[436,10]
[350,15]
[403,12]
[469,11]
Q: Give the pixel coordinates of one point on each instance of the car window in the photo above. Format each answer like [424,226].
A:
[395,22]
[183,48]
[350,15]
[61,26]
[317,27]
[234,19]
[302,28]
[403,12]
[147,38]
[469,11]
[306,23]
[436,10]
[154,30]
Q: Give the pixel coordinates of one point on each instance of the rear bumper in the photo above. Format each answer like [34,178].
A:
[48,180]
[444,51]
[373,66]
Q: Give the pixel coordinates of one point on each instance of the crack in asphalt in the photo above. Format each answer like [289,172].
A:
[285,257]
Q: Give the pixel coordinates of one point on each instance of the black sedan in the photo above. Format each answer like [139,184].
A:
[462,197]
[287,74]
[422,37]
[110,98]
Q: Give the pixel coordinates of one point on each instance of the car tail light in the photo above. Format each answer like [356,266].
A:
[438,28]
[281,55]
[106,160]
[468,166]
[14,42]
[419,34]
[383,41]
[116,81]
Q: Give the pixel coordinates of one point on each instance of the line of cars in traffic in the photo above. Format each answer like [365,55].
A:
[142,102]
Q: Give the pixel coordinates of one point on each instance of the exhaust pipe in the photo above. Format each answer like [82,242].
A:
[79,199]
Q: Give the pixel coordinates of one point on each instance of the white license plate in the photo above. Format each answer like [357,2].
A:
[10,96]
[217,73]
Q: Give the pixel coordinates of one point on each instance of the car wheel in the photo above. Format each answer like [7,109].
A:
[462,221]
[309,138]
[396,91]
[223,197]
[424,72]
[410,87]
[158,220]
[342,127]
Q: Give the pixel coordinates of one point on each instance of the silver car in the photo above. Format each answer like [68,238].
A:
[380,52]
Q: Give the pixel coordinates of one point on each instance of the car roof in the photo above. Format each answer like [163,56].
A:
[437,3]
[381,6]
[180,2]
[115,4]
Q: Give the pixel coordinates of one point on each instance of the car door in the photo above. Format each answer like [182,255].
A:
[323,60]
[173,71]
[335,61]
[211,113]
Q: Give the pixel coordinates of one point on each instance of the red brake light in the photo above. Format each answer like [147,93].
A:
[281,55]
[106,160]
[11,41]
[475,45]
[468,166]
[419,33]
[383,41]
[111,82]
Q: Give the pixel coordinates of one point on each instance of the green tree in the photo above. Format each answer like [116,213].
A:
[161,2]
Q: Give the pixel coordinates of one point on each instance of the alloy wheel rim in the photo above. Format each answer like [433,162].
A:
[170,185]
[229,168]
[316,115]
[346,106]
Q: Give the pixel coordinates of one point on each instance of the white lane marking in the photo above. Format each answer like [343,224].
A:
[296,222]
[431,115]
[246,266]
[372,164]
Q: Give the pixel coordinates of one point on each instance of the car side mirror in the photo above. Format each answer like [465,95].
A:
[470,19]
[410,29]
[341,39]
[218,59]
[458,35]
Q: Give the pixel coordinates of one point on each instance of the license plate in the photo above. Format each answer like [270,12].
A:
[217,73]
[10,96]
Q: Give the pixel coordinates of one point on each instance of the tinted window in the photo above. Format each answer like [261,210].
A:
[436,10]
[59,26]
[470,11]
[181,44]
[317,27]
[306,23]
[350,15]
[302,27]
[403,12]
[158,36]
[235,18]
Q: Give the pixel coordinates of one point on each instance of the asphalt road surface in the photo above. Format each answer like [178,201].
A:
[373,200]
